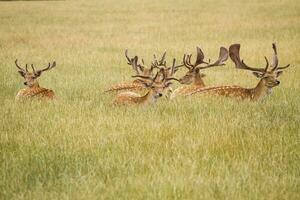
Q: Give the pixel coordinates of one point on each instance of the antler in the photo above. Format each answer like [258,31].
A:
[223,56]
[38,72]
[199,59]
[162,66]
[275,60]
[157,78]
[235,57]
[133,62]
[234,53]
[161,62]
[20,68]
[152,79]
[164,74]
[174,67]
[50,66]
[33,69]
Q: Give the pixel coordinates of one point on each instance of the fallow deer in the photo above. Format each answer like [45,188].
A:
[156,87]
[193,77]
[268,78]
[33,89]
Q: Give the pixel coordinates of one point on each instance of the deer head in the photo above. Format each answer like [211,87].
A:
[268,77]
[31,77]
[193,72]
[157,84]
[165,73]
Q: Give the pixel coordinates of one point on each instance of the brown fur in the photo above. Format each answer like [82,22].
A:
[262,89]
[126,86]
[36,93]
[132,98]
[194,78]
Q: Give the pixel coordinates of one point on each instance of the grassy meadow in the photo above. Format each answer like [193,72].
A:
[81,146]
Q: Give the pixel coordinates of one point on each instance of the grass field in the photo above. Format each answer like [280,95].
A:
[82,147]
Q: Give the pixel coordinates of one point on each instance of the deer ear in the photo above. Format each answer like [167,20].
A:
[38,73]
[22,73]
[278,73]
[139,70]
[258,74]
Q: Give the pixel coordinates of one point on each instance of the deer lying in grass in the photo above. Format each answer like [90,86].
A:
[268,78]
[156,87]
[33,89]
[193,77]
[136,84]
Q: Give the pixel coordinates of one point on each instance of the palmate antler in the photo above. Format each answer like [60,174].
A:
[234,53]
[223,56]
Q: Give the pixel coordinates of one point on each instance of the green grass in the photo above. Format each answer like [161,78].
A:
[82,147]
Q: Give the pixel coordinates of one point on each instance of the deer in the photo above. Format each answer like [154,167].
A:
[193,77]
[33,89]
[267,78]
[156,86]
[139,69]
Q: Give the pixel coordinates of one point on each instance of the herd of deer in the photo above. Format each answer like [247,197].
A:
[156,81]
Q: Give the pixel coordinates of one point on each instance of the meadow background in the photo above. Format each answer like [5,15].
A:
[82,147]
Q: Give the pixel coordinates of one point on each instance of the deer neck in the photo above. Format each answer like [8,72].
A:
[260,90]
[35,85]
[198,80]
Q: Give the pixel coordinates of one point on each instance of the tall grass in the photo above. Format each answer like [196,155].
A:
[82,147]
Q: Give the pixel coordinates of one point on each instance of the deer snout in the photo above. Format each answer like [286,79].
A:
[158,95]
[25,83]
